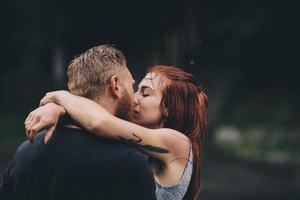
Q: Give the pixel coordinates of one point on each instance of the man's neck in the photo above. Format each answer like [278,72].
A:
[108,103]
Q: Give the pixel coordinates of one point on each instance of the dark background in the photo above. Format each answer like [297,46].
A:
[245,53]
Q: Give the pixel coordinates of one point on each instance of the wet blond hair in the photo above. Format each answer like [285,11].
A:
[89,73]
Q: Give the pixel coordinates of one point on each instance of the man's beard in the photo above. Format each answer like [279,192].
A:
[125,107]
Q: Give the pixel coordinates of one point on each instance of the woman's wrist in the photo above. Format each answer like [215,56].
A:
[62,111]
[61,97]
[59,109]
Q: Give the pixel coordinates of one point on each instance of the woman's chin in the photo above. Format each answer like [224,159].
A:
[137,120]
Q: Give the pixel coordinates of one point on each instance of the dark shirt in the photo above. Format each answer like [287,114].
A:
[77,165]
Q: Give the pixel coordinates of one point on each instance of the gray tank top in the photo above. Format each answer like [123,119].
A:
[177,191]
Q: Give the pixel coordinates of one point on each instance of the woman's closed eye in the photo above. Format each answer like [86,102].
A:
[145,94]
[145,91]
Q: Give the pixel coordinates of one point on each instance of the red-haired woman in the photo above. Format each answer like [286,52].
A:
[169,125]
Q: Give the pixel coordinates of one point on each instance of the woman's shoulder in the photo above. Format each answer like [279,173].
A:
[174,138]
[177,143]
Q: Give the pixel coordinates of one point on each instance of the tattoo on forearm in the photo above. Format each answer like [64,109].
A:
[136,140]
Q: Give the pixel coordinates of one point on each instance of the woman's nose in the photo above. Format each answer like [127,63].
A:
[135,99]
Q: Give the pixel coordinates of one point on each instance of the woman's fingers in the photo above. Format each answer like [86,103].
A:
[35,129]
[27,133]
[33,118]
[51,97]
[49,134]
[46,99]
[44,117]
[29,123]
[27,118]
[43,101]
[29,127]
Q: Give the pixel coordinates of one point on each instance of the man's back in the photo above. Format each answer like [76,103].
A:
[77,165]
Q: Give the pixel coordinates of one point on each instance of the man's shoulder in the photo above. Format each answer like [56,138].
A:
[83,140]
[78,145]
[84,136]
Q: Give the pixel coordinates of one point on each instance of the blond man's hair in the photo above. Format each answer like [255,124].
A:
[89,73]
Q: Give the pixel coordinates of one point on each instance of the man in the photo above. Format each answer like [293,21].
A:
[75,164]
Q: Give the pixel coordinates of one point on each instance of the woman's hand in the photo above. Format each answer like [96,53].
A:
[44,117]
[54,97]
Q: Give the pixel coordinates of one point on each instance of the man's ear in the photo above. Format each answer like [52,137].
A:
[114,83]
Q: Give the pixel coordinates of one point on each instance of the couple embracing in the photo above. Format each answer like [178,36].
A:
[100,140]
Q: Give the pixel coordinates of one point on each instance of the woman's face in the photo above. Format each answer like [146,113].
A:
[147,110]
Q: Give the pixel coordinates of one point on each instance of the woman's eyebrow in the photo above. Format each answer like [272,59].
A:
[144,87]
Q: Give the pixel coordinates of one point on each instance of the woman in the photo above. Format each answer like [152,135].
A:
[172,108]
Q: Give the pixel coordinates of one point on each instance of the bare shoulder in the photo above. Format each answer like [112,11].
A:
[177,142]
[172,135]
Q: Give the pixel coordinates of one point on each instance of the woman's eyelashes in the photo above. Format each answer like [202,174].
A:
[147,92]
[145,95]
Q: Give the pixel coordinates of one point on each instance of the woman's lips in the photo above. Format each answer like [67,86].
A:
[135,114]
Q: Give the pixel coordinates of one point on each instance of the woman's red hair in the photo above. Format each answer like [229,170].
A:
[186,107]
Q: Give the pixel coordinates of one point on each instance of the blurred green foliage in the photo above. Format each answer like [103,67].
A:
[272,145]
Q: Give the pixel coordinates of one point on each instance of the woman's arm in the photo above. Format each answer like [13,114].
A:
[44,117]
[164,144]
